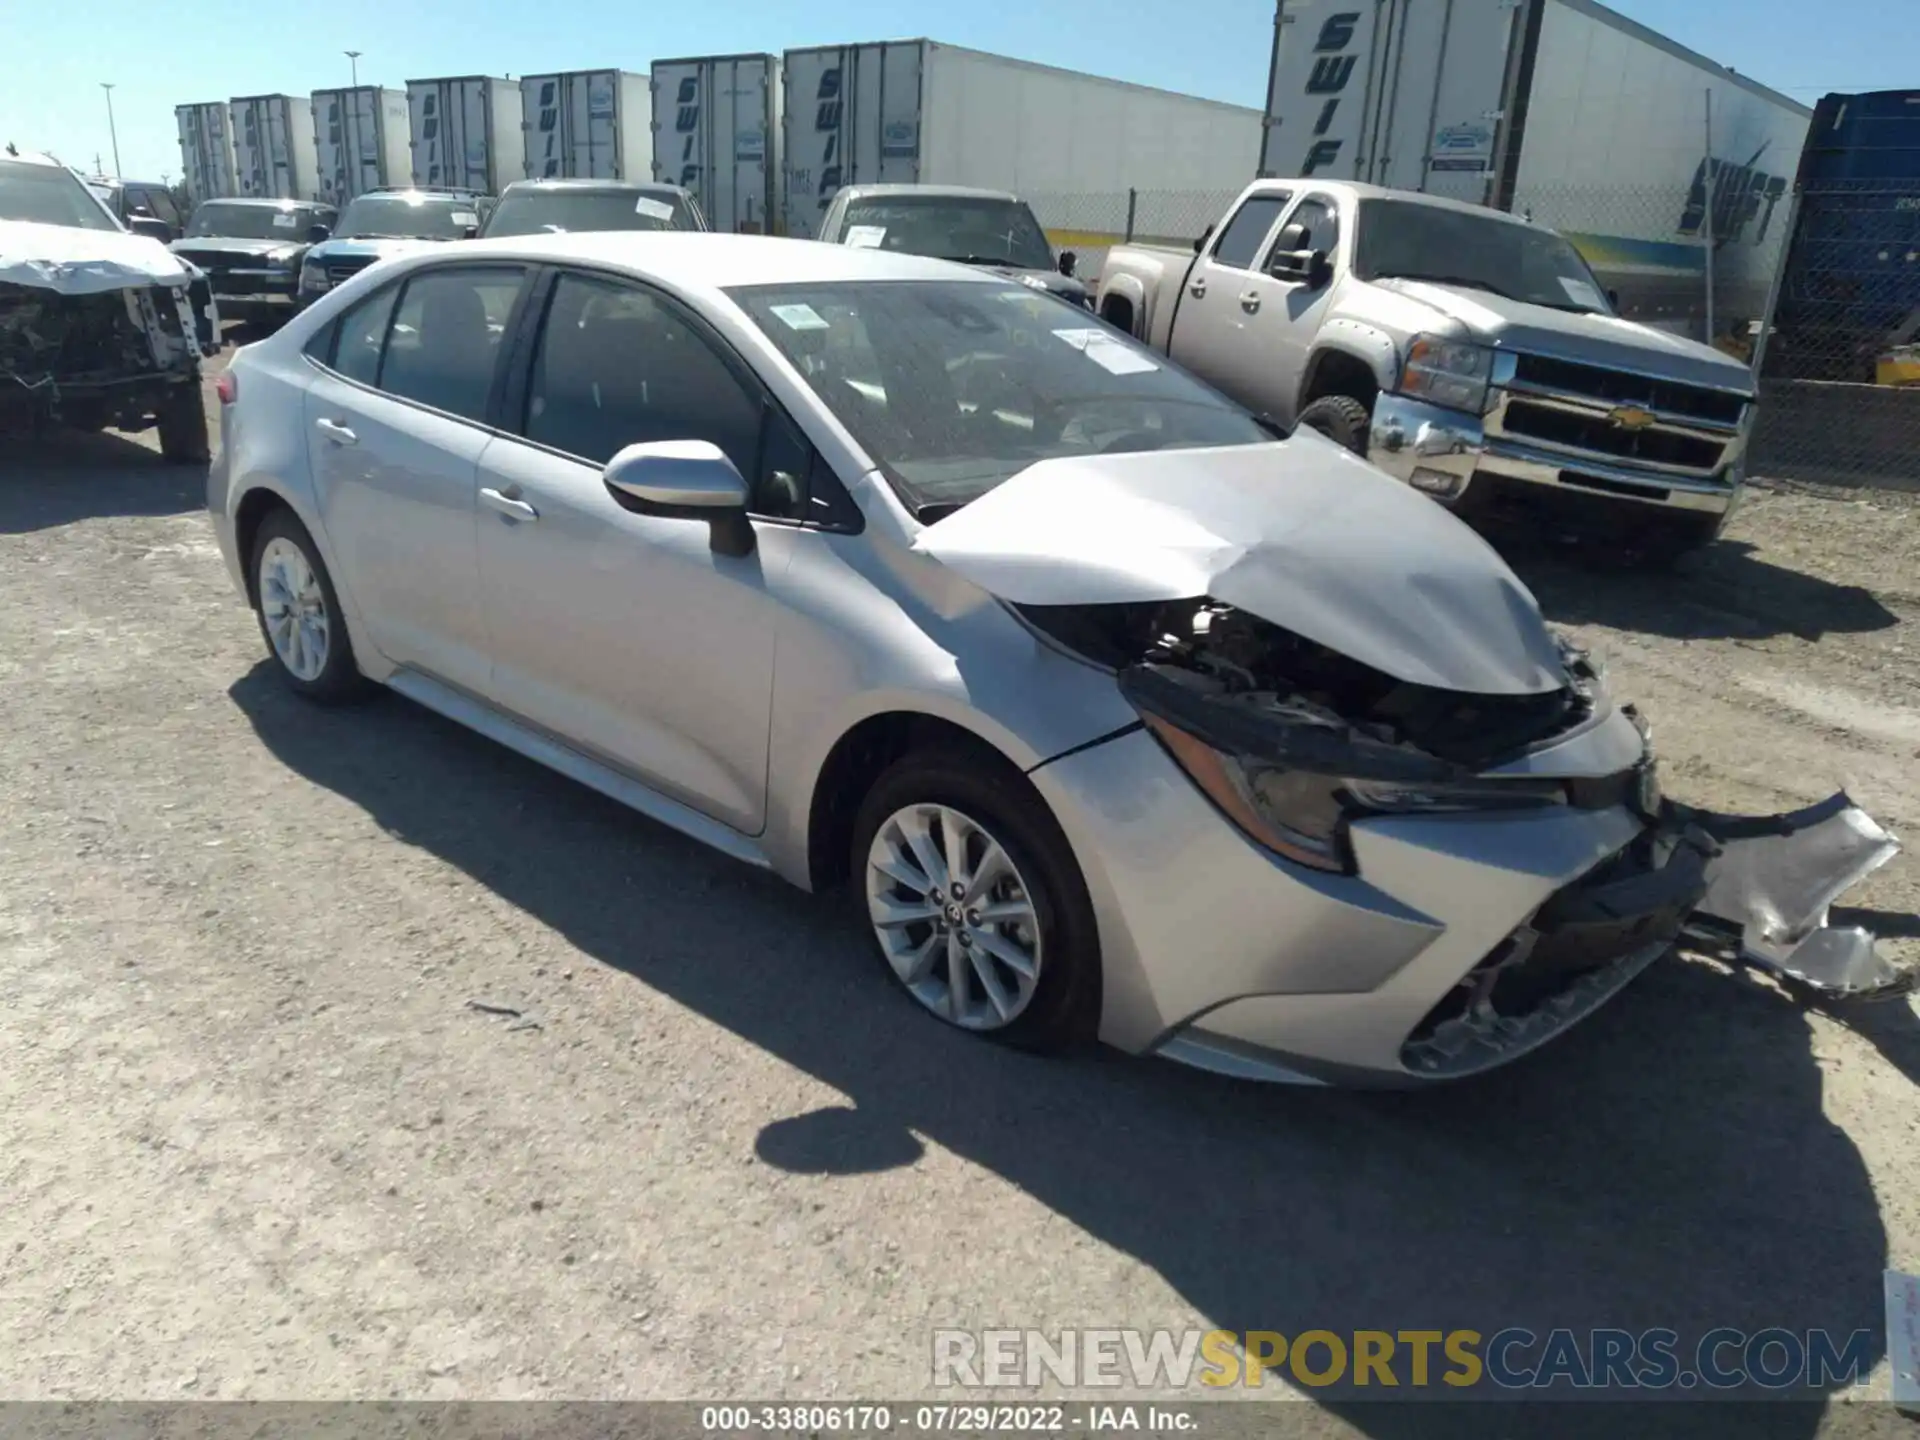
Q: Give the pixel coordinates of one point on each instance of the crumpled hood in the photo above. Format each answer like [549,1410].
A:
[1302,533]
[1588,339]
[239,246]
[72,261]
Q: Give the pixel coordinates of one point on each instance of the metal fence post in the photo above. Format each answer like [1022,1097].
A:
[1779,280]
[1133,199]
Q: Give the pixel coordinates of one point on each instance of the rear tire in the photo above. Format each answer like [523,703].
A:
[1342,419]
[299,614]
[960,801]
[183,427]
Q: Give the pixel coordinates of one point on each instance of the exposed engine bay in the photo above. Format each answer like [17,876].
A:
[1295,743]
[68,358]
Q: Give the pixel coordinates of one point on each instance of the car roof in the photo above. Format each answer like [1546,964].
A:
[714,261]
[32,157]
[937,192]
[556,182]
[408,192]
[1361,191]
[263,202]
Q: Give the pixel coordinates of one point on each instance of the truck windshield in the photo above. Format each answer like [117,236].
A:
[1407,240]
[48,195]
[418,217]
[251,222]
[540,212]
[949,227]
[953,386]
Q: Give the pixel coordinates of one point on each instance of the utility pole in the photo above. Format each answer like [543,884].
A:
[111,132]
[353,59]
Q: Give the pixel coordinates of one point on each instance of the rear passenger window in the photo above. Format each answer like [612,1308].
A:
[1239,243]
[363,330]
[445,339]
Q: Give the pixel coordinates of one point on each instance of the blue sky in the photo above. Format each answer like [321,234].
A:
[159,57]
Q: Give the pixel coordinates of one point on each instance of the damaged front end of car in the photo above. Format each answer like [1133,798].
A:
[95,359]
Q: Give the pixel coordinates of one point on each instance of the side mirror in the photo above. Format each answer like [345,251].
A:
[1067,261]
[317,232]
[1312,267]
[151,228]
[685,480]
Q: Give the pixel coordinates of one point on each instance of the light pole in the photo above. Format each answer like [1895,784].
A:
[115,134]
[353,59]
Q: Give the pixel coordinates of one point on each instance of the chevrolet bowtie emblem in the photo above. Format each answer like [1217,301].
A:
[1631,417]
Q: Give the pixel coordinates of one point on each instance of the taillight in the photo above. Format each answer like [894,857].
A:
[226,387]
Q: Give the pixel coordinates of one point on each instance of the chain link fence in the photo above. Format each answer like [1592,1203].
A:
[1840,365]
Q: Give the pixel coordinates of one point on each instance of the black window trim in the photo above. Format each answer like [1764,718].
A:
[530,275]
[1287,198]
[516,384]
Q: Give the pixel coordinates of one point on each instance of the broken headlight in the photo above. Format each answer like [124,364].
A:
[1391,799]
[1452,373]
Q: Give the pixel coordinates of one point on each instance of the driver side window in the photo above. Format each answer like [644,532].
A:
[1321,224]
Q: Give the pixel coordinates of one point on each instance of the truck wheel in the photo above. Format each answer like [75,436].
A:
[183,427]
[1342,419]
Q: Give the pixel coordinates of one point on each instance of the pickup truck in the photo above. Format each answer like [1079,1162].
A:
[991,229]
[1464,351]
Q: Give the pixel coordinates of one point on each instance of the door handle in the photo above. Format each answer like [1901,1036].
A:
[337,432]
[1198,287]
[1250,301]
[507,505]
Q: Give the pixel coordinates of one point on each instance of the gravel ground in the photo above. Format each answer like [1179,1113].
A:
[257,1143]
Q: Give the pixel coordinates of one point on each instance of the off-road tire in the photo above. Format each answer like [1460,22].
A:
[1342,419]
[183,427]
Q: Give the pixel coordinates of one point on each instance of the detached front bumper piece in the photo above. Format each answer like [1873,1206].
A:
[1770,887]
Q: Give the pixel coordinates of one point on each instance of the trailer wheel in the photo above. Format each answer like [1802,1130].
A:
[183,427]
[1342,419]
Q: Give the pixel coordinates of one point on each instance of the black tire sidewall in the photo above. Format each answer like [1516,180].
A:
[185,436]
[1346,421]
[1064,1011]
[340,677]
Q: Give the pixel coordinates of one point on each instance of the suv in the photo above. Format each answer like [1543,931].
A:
[391,220]
[534,207]
[145,207]
[98,327]
[251,251]
[990,229]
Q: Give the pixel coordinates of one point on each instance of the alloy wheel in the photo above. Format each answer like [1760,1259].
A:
[293,608]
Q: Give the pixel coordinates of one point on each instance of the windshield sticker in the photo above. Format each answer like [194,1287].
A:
[465,217]
[866,237]
[1106,352]
[653,209]
[799,317]
[285,220]
[1581,293]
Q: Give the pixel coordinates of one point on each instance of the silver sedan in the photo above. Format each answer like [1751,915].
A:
[1122,716]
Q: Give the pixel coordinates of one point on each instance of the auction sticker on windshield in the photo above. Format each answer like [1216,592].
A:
[866,237]
[1580,292]
[1106,352]
[285,220]
[799,317]
[465,217]
[652,208]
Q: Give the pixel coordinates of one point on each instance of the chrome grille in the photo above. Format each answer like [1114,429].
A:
[1564,408]
[344,267]
[1623,387]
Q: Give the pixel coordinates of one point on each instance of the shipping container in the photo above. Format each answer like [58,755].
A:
[273,146]
[467,132]
[361,137]
[1850,292]
[206,151]
[588,125]
[1559,109]
[916,111]
[716,131]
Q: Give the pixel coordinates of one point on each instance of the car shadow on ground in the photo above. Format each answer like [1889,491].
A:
[63,476]
[1723,592]
[1667,1164]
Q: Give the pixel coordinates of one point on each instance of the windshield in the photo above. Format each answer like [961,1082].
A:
[949,227]
[250,222]
[1426,242]
[48,195]
[537,212]
[953,386]
[418,217]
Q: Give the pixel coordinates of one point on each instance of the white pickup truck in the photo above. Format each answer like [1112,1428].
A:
[1464,351]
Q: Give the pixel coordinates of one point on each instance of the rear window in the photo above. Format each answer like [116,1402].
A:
[550,212]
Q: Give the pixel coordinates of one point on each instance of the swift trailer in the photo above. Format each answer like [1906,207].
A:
[361,137]
[206,151]
[273,149]
[716,134]
[467,133]
[588,125]
[1559,110]
[916,112]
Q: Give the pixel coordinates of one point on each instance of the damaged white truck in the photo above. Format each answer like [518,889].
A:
[99,328]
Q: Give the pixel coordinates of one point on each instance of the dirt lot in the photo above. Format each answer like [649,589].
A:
[255,1143]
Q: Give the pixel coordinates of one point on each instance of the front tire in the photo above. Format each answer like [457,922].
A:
[183,427]
[1342,419]
[975,901]
[299,614]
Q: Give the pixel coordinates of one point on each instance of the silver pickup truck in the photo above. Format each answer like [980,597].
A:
[1464,351]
